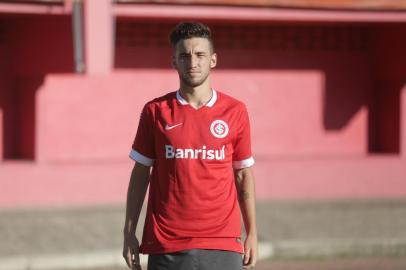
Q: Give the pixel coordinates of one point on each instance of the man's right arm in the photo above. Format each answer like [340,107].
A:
[137,190]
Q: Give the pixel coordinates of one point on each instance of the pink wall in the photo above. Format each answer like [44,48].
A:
[330,89]
[287,115]
[102,182]
[317,96]
[36,46]
[85,127]
[94,118]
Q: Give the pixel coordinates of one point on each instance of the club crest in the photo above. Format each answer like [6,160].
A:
[219,128]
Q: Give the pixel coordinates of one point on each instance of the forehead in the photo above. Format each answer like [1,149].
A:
[193,44]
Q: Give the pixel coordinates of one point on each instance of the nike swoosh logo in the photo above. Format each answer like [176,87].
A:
[168,127]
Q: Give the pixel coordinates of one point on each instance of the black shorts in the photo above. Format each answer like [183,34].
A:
[196,259]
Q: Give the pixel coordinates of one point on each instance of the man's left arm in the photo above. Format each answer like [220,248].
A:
[244,181]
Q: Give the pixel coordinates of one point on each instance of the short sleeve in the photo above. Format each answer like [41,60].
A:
[242,155]
[143,150]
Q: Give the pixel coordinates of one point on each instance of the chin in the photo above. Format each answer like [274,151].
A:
[193,83]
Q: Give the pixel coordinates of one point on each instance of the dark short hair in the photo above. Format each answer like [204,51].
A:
[186,30]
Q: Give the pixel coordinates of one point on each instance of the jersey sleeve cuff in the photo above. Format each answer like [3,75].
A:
[241,164]
[146,161]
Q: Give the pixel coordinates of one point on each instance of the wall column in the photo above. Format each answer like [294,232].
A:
[99,50]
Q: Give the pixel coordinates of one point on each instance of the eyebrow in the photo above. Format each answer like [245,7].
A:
[198,52]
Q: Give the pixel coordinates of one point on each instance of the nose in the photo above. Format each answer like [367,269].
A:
[193,60]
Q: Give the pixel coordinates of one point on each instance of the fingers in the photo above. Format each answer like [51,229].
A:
[132,258]
[247,256]
[127,256]
[249,259]
[135,261]
[131,253]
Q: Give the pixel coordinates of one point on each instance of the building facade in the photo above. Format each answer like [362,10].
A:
[325,85]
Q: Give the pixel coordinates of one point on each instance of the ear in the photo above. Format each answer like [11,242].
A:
[213,60]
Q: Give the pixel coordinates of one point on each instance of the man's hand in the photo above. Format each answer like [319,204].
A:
[250,252]
[131,252]
[137,188]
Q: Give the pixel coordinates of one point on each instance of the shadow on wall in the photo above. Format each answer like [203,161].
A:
[32,46]
[346,54]
[19,118]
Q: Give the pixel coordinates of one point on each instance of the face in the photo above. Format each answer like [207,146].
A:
[193,59]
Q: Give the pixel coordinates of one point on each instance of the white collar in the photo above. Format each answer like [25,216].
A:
[208,104]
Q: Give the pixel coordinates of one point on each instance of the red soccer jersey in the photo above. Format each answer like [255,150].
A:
[192,197]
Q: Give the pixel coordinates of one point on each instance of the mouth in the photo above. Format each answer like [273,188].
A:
[193,72]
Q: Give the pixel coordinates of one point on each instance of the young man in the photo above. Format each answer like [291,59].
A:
[197,141]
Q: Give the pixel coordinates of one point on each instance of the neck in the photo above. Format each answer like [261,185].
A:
[196,96]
